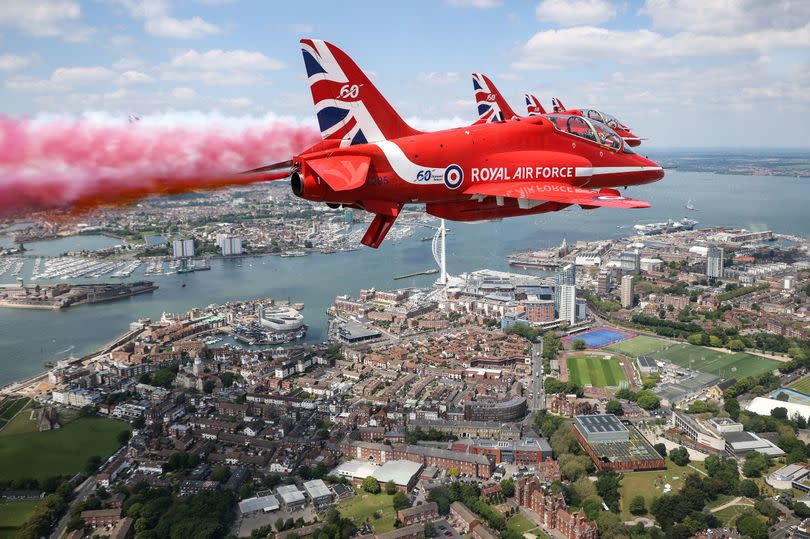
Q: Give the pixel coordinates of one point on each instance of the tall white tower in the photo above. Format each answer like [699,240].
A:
[440,252]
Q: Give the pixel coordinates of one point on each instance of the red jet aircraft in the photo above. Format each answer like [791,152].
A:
[607,119]
[492,107]
[370,159]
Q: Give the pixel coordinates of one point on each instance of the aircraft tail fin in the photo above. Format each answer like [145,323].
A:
[533,105]
[348,106]
[492,107]
[557,104]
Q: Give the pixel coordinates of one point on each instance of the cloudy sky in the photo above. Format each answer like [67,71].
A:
[684,73]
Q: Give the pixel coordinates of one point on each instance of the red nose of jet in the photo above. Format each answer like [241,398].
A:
[651,171]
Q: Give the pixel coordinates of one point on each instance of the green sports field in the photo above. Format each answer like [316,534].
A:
[726,365]
[802,386]
[13,514]
[640,345]
[595,371]
[65,451]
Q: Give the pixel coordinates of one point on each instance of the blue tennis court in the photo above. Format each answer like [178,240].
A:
[597,338]
[793,395]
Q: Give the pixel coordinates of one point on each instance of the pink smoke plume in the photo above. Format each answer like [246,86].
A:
[77,165]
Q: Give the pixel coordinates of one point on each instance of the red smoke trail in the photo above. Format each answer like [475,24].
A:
[78,165]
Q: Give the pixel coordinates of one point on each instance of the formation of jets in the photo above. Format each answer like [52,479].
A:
[503,165]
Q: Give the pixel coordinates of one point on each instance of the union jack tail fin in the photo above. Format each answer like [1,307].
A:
[348,106]
[533,105]
[557,104]
[492,107]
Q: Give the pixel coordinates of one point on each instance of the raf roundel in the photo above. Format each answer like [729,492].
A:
[453,176]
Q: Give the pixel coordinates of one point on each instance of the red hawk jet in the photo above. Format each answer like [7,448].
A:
[370,159]
[629,138]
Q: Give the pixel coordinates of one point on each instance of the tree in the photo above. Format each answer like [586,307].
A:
[208,386]
[139,422]
[638,506]
[123,437]
[401,501]
[661,449]
[227,378]
[390,488]
[75,523]
[508,487]
[755,464]
[780,412]
[92,464]
[801,510]
[679,456]
[648,400]
[607,486]
[370,485]
[430,529]
[221,473]
[614,407]
[732,406]
[752,527]
[579,344]
[748,488]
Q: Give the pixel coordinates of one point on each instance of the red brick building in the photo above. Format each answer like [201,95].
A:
[552,510]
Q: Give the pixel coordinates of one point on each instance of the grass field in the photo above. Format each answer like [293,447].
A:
[363,506]
[640,345]
[14,514]
[726,365]
[595,371]
[650,485]
[728,515]
[21,423]
[65,451]
[520,525]
[802,385]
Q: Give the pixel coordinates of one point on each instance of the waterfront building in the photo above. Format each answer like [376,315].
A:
[183,248]
[230,246]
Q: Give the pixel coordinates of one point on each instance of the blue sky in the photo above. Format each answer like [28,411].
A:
[682,73]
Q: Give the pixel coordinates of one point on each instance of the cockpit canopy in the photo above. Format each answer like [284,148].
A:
[579,126]
[603,117]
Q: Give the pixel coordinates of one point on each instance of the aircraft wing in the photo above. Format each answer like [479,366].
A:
[342,173]
[557,192]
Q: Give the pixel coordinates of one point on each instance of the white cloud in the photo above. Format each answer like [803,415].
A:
[129,78]
[218,67]
[184,93]
[13,62]
[438,78]
[45,18]
[575,12]
[480,4]
[62,79]
[301,28]
[237,102]
[158,22]
[128,62]
[727,17]
[81,76]
[219,60]
[180,29]
[588,44]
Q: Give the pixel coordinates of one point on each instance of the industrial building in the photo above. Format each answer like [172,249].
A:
[613,444]
[404,473]
[790,476]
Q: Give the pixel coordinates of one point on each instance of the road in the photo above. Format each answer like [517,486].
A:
[538,400]
[80,494]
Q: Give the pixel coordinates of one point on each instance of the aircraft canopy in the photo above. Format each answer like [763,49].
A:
[579,126]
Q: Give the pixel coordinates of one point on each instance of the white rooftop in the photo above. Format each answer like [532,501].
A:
[359,469]
[317,489]
[259,503]
[290,494]
[763,406]
[399,471]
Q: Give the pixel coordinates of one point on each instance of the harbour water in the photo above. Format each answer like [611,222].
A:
[29,338]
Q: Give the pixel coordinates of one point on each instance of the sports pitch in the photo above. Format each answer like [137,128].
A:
[595,371]
[725,365]
[639,345]
[802,386]
[596,338]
